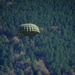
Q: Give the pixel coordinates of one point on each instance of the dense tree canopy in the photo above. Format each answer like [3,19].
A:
[53,47]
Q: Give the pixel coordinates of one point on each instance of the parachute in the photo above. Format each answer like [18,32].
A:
[28,29]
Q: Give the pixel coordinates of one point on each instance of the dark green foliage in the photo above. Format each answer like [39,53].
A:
[19,71]
[54,45]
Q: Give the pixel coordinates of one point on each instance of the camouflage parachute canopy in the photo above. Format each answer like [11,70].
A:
[28,29]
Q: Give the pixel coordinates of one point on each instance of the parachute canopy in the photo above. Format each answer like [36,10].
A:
[28,29]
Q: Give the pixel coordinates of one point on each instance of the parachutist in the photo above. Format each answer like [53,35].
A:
[29,30]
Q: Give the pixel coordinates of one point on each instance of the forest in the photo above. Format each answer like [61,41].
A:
[52,52]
